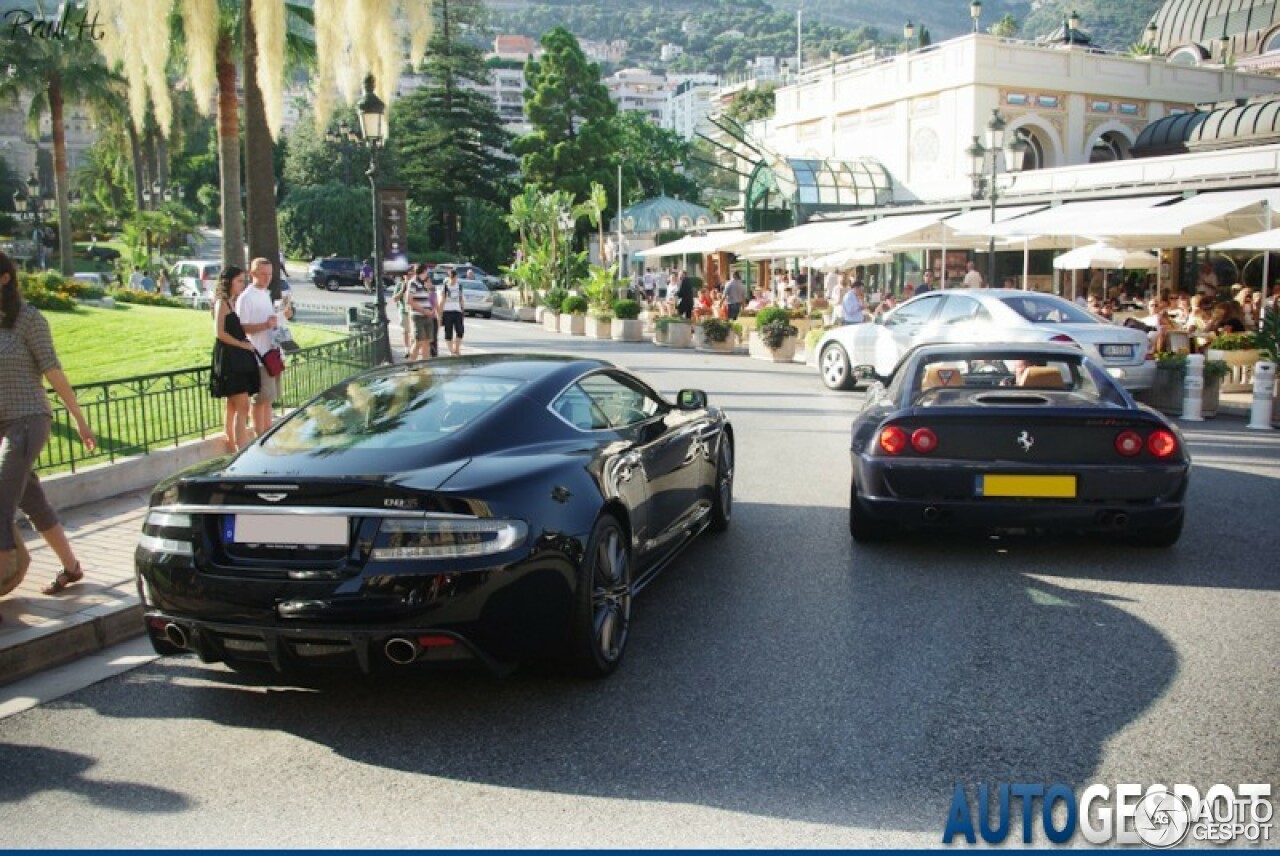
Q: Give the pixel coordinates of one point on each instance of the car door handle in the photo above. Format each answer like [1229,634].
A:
[627,466]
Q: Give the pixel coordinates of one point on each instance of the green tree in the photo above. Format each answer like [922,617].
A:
[54,72]
[752,104]
[574,138]
[1005,28]
[450,143]
[484,237]
[326,218]
[653,160]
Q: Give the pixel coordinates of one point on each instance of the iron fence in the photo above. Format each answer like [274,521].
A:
[134,415]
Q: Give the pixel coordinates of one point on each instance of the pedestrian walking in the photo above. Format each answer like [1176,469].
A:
[425,308]
[684,295]
[735,296]
[258,319]
[453,305]
[234,371]
[27,359]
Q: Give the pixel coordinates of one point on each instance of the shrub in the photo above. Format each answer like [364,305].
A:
[554,298]
[771,314]
[574,305]
[661,324]
[602,316]
[812,338]
[775,333]
[626,310]
[716,329]
[326,218]
[1233,342]
[1213,369]
[47,301]
[147,298]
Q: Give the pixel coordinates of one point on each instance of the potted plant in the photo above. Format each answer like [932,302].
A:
[573,315]
[1169,388]
[552,298]
[627,326]
[774,338]
[1240,352]
[673,331]
[717,336]
[600,325]
[747,320]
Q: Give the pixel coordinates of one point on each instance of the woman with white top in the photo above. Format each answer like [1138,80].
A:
[452,306]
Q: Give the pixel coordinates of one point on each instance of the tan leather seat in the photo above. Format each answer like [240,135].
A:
[1041,377]
[941,376]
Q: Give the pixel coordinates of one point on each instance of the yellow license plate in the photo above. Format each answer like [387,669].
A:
[1037,487]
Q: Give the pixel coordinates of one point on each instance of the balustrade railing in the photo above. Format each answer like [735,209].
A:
[136,415]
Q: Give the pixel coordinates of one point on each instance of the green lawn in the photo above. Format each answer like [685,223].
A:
[105,344]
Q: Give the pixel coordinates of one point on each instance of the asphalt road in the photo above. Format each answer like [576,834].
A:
[783,687]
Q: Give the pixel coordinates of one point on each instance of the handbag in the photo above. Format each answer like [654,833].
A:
[15,569]
[273,362]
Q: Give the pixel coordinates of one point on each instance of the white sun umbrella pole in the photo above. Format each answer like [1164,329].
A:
[1026,261]
[1266,267]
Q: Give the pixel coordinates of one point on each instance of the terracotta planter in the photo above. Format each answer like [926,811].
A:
[573,325]
[550,320]
[630,330]
[600,328]
[758,349]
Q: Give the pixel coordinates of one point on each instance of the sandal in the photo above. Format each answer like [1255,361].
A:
[64,580]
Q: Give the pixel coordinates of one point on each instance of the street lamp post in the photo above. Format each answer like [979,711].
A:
[30,206]
[908,33]
[372,126]
[566,229]
[987,186]
[975,13]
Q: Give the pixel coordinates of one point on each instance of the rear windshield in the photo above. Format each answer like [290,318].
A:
[1046,309]
[412,408]
[948,380]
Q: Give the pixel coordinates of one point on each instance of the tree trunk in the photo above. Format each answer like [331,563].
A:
[60,175]
[162,165]
[229,155]
[448,214]
[259,172]
[135,151]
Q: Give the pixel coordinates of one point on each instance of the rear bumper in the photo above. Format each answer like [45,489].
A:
[1137,378]
[938,493]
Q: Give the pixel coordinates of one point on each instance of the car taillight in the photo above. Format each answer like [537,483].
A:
[1063,338]
[924,441]
[893,439]
[1128,443]
[1162,444]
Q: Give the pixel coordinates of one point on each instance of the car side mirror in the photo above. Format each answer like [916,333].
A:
[691,399]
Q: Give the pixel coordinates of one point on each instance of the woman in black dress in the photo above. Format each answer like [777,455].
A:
[235,366]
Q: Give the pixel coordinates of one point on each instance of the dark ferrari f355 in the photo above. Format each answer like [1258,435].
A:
[1004,437]
[491,508]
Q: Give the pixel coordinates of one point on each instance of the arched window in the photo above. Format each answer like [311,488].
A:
[1185,56]
[666,223]
[685,222]
[1035,158]
[1111,146]
[1272,43]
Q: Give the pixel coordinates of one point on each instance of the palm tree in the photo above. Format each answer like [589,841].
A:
[593,208]
[54,73]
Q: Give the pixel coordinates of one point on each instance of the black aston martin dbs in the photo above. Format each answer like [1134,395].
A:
[494,508]
[1033,436]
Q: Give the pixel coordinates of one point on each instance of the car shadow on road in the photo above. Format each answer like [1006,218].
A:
[777,670]
[72,773]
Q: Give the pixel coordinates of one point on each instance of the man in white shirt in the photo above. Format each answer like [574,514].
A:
[972,279]
[424,309]
[852,306]
[452,305]
[258,317]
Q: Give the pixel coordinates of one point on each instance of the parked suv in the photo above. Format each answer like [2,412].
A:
[334,272]
[194,278]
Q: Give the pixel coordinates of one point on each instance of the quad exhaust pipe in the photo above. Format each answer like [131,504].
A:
[176,635]
[401,651]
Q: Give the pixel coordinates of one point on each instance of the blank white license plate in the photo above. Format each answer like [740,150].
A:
[1117,350]
[318,530]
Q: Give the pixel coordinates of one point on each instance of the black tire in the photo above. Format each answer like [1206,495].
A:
[332,283]
[602,607]
[1158,536]
[722,504]
[486,314]
[834,367]
[864,528]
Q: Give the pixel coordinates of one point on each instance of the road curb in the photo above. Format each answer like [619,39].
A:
[37,649]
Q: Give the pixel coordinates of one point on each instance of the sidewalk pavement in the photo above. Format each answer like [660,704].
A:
[38,632]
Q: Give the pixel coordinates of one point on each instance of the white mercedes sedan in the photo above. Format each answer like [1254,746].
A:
[984,315]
